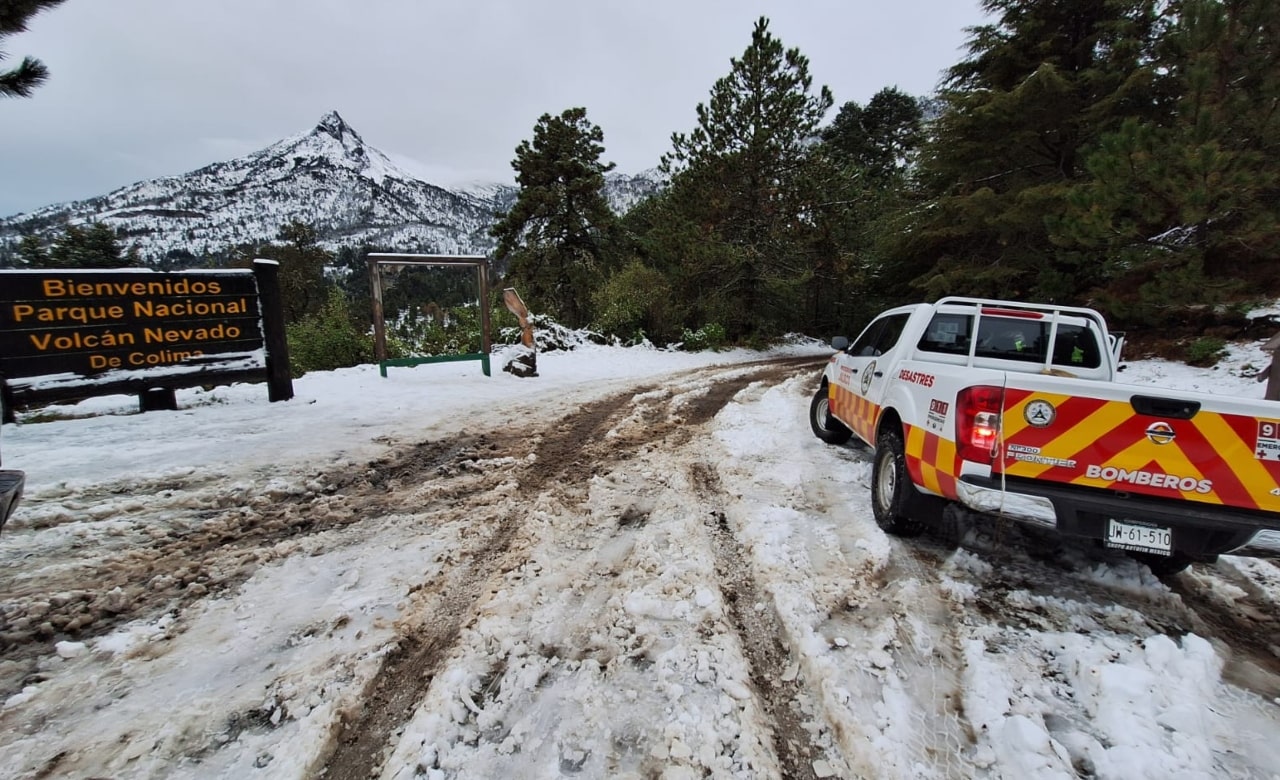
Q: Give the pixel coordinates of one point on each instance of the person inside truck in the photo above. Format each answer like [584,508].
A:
[1010,339]
[1068,351]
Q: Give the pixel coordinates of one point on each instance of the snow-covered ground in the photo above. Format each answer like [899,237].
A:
[640,563]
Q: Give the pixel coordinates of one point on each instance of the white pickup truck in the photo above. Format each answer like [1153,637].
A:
[1011,409]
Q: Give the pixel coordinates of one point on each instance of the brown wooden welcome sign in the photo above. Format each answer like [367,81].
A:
[75,333]
[95,322]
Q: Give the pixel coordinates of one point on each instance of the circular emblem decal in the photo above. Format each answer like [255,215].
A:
[867,374]
[1040,413]
[1160,433]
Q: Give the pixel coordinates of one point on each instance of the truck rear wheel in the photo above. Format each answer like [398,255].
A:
[826,427]
[891,487]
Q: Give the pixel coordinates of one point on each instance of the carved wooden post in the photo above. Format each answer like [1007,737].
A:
[1272,372]
[526,363]
[379,328]
[279,381]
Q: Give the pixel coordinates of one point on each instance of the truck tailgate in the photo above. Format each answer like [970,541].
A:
[1194,447]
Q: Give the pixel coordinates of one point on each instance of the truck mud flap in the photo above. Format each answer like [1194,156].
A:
[926,508]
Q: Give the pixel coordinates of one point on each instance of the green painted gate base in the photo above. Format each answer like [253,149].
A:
[483,357]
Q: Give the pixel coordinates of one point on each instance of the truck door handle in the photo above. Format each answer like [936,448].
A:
[1164,407]
[877,373]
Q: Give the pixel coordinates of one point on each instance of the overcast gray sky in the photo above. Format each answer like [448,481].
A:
[148,88]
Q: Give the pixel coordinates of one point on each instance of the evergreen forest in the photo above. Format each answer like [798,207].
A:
[1118,154]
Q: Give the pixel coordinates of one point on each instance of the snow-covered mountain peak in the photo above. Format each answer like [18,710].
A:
[336,143]
[332,125]
[331,134]
[326,177]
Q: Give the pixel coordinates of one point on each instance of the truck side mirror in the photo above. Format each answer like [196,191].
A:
[839,343]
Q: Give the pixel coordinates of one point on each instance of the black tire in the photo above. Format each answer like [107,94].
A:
[825,427]
[1163,565]
[891,488]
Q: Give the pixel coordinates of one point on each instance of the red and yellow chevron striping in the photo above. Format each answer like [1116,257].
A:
[1101,443]
[932,461]
[857,412]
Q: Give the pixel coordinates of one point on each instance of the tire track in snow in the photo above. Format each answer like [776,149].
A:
[444,606]
[216,539]
[175,555]
[761,635]
[1212,601]
[877,655]
[566,457]
[908,717]
[1248,625]
[928,657]
[1029,588]
[755,620]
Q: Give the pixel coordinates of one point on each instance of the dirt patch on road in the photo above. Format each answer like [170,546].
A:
[1250,628]
[171,556]
[762,637]
[560,461]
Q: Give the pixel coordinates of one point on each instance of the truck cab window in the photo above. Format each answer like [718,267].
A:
[865,344]
[948,333]
[880,336]
[893,327]
[1012,338]
[1076,347]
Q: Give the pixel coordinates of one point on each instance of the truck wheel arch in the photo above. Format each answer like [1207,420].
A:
[891,487]
[826,427]
[916,506]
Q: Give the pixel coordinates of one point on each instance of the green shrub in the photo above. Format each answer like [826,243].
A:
[436,332]
[711,336]
[635,303]
[328,339]
[1206,351]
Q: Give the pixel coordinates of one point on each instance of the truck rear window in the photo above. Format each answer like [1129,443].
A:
[1012,338]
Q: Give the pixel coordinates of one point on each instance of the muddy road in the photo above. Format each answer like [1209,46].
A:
[671,580]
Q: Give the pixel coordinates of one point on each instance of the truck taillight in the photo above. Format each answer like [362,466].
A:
[978,422]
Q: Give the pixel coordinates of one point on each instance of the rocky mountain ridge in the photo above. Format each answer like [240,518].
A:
[327,177]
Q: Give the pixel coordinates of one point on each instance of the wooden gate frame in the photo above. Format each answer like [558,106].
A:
[378,259]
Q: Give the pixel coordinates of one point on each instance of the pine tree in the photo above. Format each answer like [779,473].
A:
[67,249]
[1041,86]
[881,139]
[1186,203]
[93,247]
[22,80]
[102,249]
[740,208]
[557,238]
[32,253]
[353,279]
[870,151]
[303,287]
